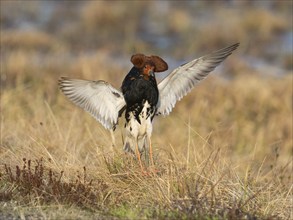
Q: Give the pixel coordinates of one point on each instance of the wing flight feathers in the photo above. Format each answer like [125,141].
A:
[98,98]
[181,80]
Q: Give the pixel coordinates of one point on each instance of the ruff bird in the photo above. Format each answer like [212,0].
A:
[140,97]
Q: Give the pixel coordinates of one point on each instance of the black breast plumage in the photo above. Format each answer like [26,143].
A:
[138,88]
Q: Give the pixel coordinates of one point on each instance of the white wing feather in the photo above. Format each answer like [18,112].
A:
[181,80]
[98,98]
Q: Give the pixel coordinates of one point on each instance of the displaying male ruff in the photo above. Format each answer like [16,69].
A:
[140,97]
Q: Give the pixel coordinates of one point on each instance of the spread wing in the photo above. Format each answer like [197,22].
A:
[98,98]
[181,80]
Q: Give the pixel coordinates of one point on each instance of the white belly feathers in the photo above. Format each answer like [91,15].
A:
[135,131]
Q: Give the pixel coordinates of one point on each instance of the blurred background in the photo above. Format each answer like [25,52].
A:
[56,37]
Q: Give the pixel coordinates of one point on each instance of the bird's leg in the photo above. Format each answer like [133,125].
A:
[138,156]
[152,167]
[146,152]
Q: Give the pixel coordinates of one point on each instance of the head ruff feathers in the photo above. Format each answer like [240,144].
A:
[139,60]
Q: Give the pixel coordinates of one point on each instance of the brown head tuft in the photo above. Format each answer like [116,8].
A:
[160,64]
[139,60]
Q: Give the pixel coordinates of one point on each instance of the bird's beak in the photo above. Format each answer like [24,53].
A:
[152,73]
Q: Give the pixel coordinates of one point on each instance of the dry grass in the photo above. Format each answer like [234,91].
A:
[225,152]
